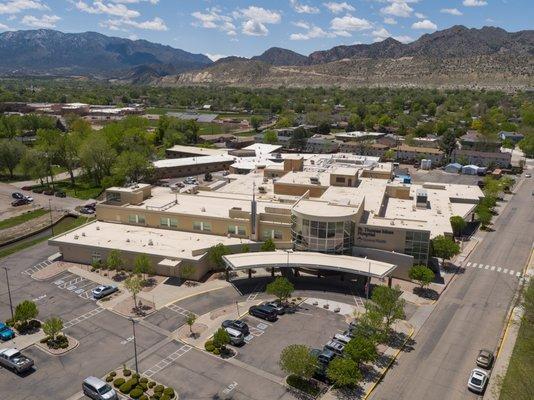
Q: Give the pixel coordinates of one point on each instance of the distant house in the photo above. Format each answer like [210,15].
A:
[473,140]
[482,158]
[414,153]
[513,136]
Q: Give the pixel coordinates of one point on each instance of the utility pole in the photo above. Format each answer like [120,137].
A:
[50,212]
[9,293]
[135,346]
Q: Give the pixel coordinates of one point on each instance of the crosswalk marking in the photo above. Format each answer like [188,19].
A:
[37,267]
[480,266]
[493,268]
[505,270]
[149,373]
[486,267]
[474,265]
[469,263]
[499,269]
[512,272]
[179,310]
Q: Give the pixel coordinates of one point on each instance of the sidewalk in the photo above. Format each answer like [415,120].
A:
[23,341]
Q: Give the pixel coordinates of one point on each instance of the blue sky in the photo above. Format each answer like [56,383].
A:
[246,28]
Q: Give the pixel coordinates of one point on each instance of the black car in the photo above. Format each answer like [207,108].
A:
[60,194]
[17,195]
[238,325]
[20,202]
[278,308]
[86,210]
[263,312]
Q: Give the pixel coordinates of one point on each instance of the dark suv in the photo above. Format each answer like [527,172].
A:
[237,325]
[263,312]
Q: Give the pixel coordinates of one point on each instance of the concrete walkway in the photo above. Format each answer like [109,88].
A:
[23,341]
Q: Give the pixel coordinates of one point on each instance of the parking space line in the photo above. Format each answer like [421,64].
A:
[486,267]
[468,264]
[179,310]
[149,373]
[499,269]
[505,270]
[83,317]
[474,265]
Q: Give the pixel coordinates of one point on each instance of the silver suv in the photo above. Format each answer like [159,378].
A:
[97,389]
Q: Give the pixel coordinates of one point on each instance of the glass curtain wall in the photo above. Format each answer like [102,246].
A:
[324,237]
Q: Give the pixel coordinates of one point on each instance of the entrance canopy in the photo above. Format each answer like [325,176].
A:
[319,261]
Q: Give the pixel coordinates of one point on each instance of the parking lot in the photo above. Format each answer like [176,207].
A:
[310,325]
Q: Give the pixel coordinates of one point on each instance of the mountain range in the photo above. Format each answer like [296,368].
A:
[458,55]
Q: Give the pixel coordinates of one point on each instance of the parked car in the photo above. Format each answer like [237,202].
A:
[17,195]
[28,198]
[477,380]
[237,325]
[91,206]
[325,356]
[528,176]
[335,346]
[342,338]
[97,389]
[19,202]
[6,333]
[60,194]
[14,360]
[29,188]
[49,192]
[263,312]
[485,358]
[85,210]
[103,291]
[349,333]
[276,307]
[236,337]
[38,190]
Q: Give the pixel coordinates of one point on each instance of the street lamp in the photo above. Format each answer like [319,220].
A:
[51,219]
[135,346]
[9,293]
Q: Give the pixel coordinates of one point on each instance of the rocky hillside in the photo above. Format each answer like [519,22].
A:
[52,52]
[278,56]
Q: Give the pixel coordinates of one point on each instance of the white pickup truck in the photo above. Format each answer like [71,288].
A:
[14,360]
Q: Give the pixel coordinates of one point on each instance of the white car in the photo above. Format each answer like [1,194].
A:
[103,291]
[342,338]
[478,380]
[527,175]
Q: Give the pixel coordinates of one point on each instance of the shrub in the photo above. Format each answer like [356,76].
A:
[169,392]
[143,397]
[209,346]
[109,379]
[60,342]
[136,376]
[157,395]
[151,384]
[113,374]
[216,352]
[126,372]
[165,397]
[136,393]
[132,382]
[158,389]
[125,388]
[143,385]
[143,380]
[118,382]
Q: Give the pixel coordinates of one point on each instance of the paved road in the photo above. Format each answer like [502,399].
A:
[470,315]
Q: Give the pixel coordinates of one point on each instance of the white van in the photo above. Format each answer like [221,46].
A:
[236,337]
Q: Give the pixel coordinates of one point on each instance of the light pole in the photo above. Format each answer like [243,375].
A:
[9,293]
[135,346]
[51,219]
[237,306]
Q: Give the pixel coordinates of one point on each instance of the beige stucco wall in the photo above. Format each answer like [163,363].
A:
[298,190]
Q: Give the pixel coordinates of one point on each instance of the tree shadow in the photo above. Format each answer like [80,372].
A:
[400,340]
[426,293]
[350,393]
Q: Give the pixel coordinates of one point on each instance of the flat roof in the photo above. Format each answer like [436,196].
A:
[330,262]
[129,189]
[165,242]
[359,134]
[190,161]
[201,151]
[319,209]
[304,178]
[263,148]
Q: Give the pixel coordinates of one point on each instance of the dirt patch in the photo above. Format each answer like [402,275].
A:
[126,308]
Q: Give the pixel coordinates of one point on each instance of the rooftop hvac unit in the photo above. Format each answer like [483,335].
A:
[314,180]
[203,209]
[150,242]
[83,234]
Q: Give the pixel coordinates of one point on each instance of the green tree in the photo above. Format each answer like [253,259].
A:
[444,247]
[142,265]
[344,372]
[245,248]
[281,288]
[371,325]
[298,138]
[132,166]
[221,338]
[421,274]
[268,245]
[114,260]
[134,285]
[270,137]
[390,155]
[11,153]
[361,349]
[97,157]
[25,311]
[387,302]
[187,271]
[256,121]
[216,253]
[52,327]
[190,321]
[296,359]
[527,145]
[458,224]
[483,215]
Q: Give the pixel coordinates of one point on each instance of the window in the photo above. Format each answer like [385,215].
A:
[136,219]
[272,234]
[168,222]
[202,226]
[340,179]
[113,196]
[236,230]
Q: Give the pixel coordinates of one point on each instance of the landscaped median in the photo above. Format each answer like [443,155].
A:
[137,387]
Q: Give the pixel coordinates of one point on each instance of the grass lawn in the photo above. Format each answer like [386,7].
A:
[19,219]
[518,383]
[63,226]
[82,190]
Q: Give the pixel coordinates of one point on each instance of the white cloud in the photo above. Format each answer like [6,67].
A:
[390,21]
[256,19]
[397,8]
[337,8]
[16,6]
[156,24]
[350,23]
[99,7]
[404,38]
[215,57]
[380,34]
[475,3]
[4,27]
[425,24]
[312,32]
[303,8]
[451,11]
[213,19]
[44,21]
[420,15]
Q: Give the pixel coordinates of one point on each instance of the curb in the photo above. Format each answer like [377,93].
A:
[43,348]
[388,366]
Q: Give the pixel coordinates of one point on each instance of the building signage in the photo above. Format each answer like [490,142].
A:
[367,234]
